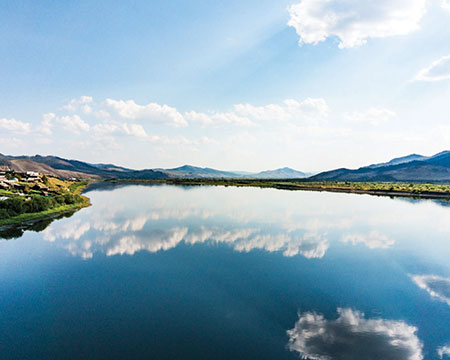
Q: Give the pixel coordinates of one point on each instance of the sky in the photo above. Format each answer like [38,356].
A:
[234,85]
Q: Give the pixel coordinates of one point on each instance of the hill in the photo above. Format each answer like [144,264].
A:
[283,173]
[411,168]
[56,166]
[400,160]
[60,167]
[189,171]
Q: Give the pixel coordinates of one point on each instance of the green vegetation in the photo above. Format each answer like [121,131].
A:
[374,188]
[32,203]
[78,186]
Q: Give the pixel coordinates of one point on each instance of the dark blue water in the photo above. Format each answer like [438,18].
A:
[164,272]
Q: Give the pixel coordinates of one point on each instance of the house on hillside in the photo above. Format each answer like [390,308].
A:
[29,176]
[4,185]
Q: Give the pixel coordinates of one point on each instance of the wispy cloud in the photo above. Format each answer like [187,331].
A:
[372,116]
[437,71]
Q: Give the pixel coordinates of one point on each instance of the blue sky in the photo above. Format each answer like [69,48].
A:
[310,84]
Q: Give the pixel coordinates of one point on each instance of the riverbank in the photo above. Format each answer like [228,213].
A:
[31,217]
[65,198]
[410,190]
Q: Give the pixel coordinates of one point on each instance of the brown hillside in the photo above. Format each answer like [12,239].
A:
[29,165]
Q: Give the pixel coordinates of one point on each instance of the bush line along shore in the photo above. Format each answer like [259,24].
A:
[25,201]
[415,190]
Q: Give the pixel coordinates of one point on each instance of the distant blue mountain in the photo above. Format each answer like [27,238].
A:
[57,166]
[409,168]
[283,173]
[400,160]
[189,171]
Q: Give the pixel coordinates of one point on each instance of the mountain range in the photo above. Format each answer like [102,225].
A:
[56,166]
[413,167]
[410,168]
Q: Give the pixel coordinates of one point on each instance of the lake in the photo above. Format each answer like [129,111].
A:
[167,272]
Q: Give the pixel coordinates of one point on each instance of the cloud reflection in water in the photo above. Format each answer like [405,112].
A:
[351,336]
[373,240]
[132,236]
[444,351]
[158,219]
[438,287]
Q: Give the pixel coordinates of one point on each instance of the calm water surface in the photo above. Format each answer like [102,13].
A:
[165,272]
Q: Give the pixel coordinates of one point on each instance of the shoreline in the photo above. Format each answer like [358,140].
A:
[375,189]
[30,218]
[292,185]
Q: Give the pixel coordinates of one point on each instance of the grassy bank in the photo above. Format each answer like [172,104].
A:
[64,197]
[28,217]
[432,191]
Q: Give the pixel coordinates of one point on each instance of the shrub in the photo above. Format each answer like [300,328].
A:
[13,206]
[39,203]
[4,214]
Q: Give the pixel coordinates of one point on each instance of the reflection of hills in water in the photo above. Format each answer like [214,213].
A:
[16,231]
[127,218]
[155,218]
[110,186]
[440,202]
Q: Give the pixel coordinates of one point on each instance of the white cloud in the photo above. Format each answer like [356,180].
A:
[152,112]
[14,125]
[231,118]
[248,115]
[176,140]
[374,240]
[437,71]
[308,107]
[438,287]
[81,102]
[46,125]
[199,118]
[445,4]
[218,119]
[353,336]
[102,114]
[135,130]
[114,127]
[354,21]
[291,110]
[444,351]
[73,123]
[271,112]
[373,116]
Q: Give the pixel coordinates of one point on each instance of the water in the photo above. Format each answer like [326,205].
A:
[165,272]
